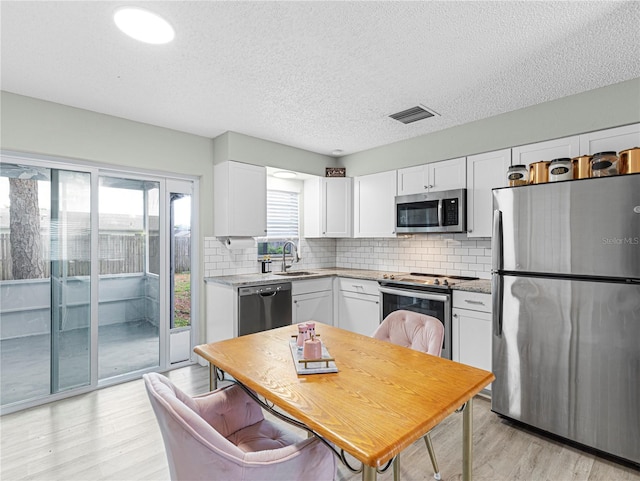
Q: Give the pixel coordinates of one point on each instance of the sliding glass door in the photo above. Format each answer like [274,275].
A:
[180,198]
[96,274]
[45,281]
[129,281]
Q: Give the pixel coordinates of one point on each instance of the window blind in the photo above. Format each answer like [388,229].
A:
[282,214]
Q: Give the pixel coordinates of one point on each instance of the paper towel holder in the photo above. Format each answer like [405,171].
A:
[238,242]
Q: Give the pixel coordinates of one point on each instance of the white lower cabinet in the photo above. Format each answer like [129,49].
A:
[358,305]
[471,328]
[222,312]
[313,300]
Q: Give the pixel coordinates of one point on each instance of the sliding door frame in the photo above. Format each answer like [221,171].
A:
[96,170]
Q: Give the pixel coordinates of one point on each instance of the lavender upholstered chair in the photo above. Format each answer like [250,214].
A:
[223,435]
[422,333]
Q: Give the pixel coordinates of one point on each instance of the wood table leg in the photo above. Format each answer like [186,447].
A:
[467,441]
[369,473]
[213,378]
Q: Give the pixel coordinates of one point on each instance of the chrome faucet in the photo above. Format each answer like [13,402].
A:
[296,258]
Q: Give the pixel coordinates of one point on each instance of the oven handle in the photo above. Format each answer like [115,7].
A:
[419,294]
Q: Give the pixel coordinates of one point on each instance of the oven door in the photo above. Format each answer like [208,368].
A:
[433,304]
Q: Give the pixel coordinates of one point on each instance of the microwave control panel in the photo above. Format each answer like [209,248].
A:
[450,211]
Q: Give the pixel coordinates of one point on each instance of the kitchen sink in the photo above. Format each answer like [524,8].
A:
[294,273]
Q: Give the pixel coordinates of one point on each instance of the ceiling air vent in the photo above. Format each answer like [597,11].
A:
[413,114]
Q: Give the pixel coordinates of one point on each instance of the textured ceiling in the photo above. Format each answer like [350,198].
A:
[318,75]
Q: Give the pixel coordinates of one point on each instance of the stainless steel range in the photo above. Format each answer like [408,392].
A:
[428,294]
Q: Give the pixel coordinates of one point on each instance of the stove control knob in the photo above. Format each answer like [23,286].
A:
[445,282]
[436,282]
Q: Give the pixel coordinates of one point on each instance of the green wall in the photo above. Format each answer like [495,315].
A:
[598,109]
[251,150]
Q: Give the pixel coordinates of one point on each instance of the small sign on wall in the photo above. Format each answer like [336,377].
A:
[335,172]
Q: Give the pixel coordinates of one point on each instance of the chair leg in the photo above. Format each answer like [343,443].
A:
[432,455]
[396,468]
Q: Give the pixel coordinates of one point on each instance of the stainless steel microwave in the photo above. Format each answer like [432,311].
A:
[444,211]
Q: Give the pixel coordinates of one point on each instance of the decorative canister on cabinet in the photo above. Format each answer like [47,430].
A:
[560,169]
[604,164]
[539,172]
[581,167]
[630,161]
[517,175]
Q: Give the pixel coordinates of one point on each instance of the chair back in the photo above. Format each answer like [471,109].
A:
[223,436]
[412,329]
[195,450]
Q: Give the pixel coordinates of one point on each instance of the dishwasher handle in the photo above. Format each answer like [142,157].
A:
[264,290]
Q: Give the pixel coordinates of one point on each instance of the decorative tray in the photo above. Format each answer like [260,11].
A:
[312,366]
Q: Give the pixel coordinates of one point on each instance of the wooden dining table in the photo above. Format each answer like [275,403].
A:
[382,399]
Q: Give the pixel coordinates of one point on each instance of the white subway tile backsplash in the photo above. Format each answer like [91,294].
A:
[452,254]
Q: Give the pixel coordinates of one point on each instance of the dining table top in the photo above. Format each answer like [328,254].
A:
[382,399]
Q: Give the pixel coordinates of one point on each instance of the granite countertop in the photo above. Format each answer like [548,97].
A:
[479,285]
[241,280]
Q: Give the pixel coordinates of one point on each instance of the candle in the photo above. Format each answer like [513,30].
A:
[312,349]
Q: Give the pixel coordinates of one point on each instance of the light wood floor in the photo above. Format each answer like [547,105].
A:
[111,434]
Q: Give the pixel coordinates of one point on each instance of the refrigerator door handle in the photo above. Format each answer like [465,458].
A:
[497,297]
[496,248]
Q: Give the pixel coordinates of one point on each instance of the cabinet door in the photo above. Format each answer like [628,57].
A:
[359,312]
[473,338]
[374,205]
[240,200]
[413,180]
[620,138]
[484,172]
[447,175]
[337,207]
[549,150]
[317,306]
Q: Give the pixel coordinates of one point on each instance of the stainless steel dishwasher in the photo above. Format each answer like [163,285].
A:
[263,307]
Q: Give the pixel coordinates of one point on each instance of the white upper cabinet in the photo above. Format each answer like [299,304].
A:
[374,205]
[484,172]
[433,177]
[448,174]
[239,200]
[548,150]
[328,207]
[620,138]
[413,180]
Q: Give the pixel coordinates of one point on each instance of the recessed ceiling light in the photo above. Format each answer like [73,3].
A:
[337,152]
[285,174]
[143,25]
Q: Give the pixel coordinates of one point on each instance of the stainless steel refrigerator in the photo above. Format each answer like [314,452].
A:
[566,310]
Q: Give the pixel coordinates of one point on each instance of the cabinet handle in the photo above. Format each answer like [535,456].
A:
[455,315]
[469,231]
[468,301]
[295,302]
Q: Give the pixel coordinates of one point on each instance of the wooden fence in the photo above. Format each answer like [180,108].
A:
[117,253]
